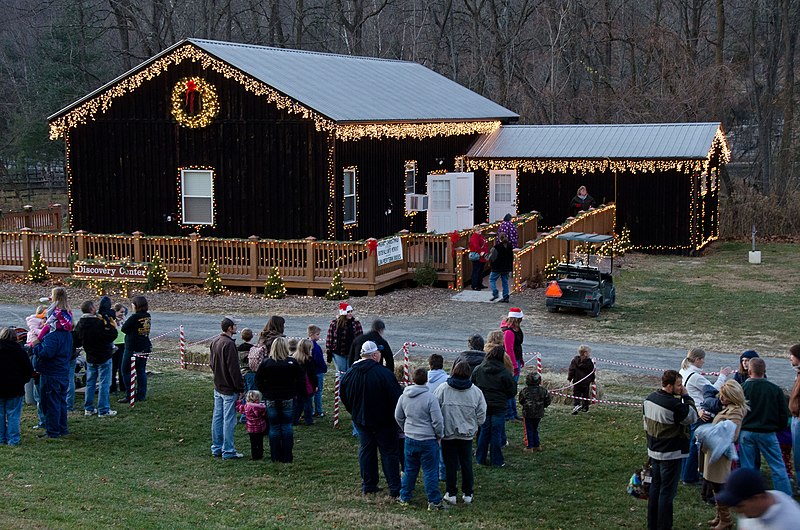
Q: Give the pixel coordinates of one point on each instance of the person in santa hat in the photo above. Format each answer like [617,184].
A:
[341,333]
[512,341]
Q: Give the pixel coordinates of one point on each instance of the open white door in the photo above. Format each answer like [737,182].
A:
[502,193]
[450,202]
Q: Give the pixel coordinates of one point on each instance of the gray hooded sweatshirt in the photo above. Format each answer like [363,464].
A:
[418,414]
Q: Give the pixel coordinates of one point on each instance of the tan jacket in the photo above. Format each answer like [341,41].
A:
[794,398]
[718,471]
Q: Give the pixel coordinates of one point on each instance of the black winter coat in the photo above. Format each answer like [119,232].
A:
[580,368]
[280,380]
[472,357]
[496,383]
[505,258]
[387,358]
[15,369]
[96,336]
[370,392]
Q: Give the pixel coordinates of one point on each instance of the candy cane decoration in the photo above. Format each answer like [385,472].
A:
[132,389]
[336,401]
[539,363]
[406,377]
[594,392]
[183,348]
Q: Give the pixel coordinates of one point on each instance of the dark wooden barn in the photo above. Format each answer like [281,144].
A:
[664,178]
[236,140]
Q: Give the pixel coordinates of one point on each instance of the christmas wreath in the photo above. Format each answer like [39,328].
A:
[194,102]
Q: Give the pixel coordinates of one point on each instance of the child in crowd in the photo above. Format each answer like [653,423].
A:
[400,375]
[320,367]
[35,323]
[58,315]
[121,314]
[244,352]
[436,374]
[534,398]
[419,415]
[256,413]
[303,401]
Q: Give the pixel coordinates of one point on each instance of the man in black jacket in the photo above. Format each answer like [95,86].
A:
[474,355]
[228,385]
[376,336]
[96,335]
[370,393]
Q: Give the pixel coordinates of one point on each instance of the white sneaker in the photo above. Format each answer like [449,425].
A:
[89,412]
[467,499]
[450,498]
[576,409]
[109,414]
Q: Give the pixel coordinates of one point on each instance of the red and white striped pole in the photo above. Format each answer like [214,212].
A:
[132,389]
[183,348]
[406,376]
[539,363]
[336,400]
[594,392]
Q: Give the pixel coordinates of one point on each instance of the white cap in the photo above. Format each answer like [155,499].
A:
[368,348]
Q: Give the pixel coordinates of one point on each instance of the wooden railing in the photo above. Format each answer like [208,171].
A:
[530,260]
[39,220]
[306,263]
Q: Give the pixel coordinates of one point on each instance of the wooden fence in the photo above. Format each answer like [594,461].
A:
[49,220]
[303,264]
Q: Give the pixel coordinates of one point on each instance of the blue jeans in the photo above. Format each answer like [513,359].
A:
[424,453]
[141,375]
[38,399]
[384,439]
[341,362]
[249,384]
[223,423]
[10,410]
[491,437]
[751,443]
[689,468]
[503,279]
[303,407]
[53,390]
[662,493]
[281,436]
[796,449]
[477,274]
[532,432]
[71,388]
[318,394]
[93,371]
[512,413]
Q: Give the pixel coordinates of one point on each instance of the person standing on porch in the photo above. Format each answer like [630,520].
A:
[581,202]
[501,267]
[477,255]
[508,228]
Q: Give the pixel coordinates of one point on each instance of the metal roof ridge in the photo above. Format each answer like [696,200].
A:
[584,125]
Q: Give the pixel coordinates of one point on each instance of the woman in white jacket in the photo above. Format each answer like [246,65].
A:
[694,381]
[464,410]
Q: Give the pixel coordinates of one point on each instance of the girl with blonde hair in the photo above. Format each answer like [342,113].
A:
[303,402]
[735,408]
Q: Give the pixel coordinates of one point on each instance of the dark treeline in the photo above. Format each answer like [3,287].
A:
[552,61]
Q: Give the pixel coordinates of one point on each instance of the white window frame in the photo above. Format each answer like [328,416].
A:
[410,170]
[184,196]
[350,173]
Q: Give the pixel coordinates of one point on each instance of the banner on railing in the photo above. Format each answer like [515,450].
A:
[390,250]
[128,272]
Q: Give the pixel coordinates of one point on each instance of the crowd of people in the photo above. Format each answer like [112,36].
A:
[714,436]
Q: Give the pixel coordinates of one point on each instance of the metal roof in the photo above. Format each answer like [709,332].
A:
[346,88]
[358,89]
[585,237]
[614,141]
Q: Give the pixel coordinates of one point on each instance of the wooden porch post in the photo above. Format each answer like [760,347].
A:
[27,209]
[194,247]
[26,248]
[404,242]
[253,242]
[310,265]
[80,243]
[138,254]
[55,217]
[372,267]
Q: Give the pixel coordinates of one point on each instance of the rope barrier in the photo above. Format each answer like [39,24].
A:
[167,333]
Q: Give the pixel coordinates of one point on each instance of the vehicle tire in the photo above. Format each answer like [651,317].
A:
[552,309]
[595,310]
[612,299]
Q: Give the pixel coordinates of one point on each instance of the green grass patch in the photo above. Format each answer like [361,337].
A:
[150,467]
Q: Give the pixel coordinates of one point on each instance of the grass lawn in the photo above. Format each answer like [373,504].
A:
[719,300]
[150,467]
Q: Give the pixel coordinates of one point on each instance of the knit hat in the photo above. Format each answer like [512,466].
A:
[748,354]
[368,348]
[741,485]
[533,379]
[344,308]
[515,312]
[226,323]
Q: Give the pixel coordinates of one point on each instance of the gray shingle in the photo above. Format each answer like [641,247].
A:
[638,141]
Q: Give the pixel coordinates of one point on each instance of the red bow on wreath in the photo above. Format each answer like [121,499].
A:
[454,237]
[372,245]
[191,90]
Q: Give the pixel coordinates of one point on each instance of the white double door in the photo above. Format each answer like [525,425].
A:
[502,193]
[451,204]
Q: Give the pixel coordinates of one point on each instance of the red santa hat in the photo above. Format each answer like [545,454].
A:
[344,308]
[515,312]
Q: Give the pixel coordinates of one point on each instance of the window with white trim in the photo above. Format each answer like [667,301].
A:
[411,176]
[350,200]
[197,196]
